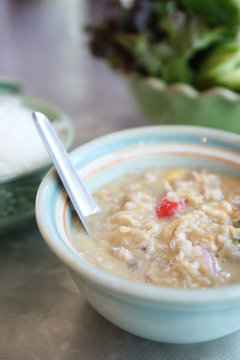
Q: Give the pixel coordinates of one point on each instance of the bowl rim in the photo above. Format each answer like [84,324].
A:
[63,118]
[106,281]
[186,89]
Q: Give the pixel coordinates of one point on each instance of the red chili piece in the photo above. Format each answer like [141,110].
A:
[167,208]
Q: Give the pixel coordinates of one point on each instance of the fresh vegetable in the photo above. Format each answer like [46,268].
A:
[190,41]
[221,67]
[216,12]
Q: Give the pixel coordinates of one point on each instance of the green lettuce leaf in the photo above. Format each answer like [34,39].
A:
[223,13]
[221,67]
[170,39]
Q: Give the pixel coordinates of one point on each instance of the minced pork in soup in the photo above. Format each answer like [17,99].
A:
[177,227]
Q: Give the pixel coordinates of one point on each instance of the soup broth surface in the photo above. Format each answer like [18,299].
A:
[173,227]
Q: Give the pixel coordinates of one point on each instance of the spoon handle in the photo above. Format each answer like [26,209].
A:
[81,198]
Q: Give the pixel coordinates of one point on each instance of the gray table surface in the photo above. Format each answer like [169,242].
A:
[42,314]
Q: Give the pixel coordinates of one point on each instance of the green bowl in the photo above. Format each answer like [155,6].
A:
[182,104]
[18,190]
[9,85]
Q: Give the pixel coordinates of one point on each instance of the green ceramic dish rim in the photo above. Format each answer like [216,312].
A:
[224,296]
[63,117]
[186,89]
[9,85]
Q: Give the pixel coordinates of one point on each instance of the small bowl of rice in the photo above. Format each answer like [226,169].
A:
[23,158]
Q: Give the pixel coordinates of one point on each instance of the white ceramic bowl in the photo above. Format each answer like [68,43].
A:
[153,312]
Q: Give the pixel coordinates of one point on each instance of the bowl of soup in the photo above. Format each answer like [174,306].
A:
[163,260]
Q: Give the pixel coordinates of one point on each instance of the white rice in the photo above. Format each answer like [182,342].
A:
[20,144]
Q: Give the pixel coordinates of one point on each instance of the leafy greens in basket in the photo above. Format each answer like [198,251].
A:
[190,41]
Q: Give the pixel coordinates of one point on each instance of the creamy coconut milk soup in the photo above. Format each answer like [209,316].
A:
[177,227]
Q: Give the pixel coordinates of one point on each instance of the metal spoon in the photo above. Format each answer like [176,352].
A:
[81,198]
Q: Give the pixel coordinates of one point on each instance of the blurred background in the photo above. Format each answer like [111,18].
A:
[43,44]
